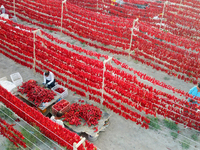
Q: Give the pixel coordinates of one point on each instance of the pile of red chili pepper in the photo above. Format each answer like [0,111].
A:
[59,90]
[90,113]
[35,93]
[60,105]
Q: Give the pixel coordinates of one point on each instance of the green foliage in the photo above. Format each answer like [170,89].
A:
[185,144]
[136,61]
[194,137]
[165,30]
[166,78]
[73,42]
[174,135]
[154,123]
[191,80]
[28,136]
[171,125]
[28,133]
[105,108]
[50,31]
[38,134]
[7,111]
[10,146]
[118,58]
[67,123]
[83,44]
[50,25]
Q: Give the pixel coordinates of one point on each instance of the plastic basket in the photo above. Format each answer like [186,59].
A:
[63,94]
[3,79]
[65,109]
[16,78]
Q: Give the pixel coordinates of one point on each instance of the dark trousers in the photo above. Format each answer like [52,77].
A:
[50,85]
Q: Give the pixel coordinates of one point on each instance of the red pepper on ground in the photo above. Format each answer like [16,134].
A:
[90,113]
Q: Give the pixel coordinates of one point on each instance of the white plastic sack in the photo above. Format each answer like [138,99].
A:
[6,16]
[8,85]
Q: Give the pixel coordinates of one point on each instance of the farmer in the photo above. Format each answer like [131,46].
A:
[57,118]
[3,10]
[49,80]
[195,92]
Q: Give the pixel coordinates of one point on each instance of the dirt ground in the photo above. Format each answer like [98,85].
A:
[122,134]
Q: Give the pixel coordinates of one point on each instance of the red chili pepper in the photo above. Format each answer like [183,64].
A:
[59,90]
[95,129]
[36,93]
[90,113]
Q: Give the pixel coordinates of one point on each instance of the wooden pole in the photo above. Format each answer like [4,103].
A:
[97,6]
[76,145]
[14,7]
[34,52]
[42,37]
[104,69]
[129,50]
[62,16]
[163,13]
[34,56]
[179,6]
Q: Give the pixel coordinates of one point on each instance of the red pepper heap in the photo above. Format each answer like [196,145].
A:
[35,93]
[60,105]
[59,90]
[90,113]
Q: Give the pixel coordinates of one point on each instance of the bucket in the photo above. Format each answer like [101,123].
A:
[92,138]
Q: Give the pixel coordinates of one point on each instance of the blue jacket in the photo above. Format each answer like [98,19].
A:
[194,92]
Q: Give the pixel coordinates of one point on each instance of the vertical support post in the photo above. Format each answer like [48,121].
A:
[14,6]
[34,52]
[163,13]
[42,37]
[179,6]
[103,4]
[62,16]
[97,6]
[76,145]
[104,69]
[34,56]
[129,50]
